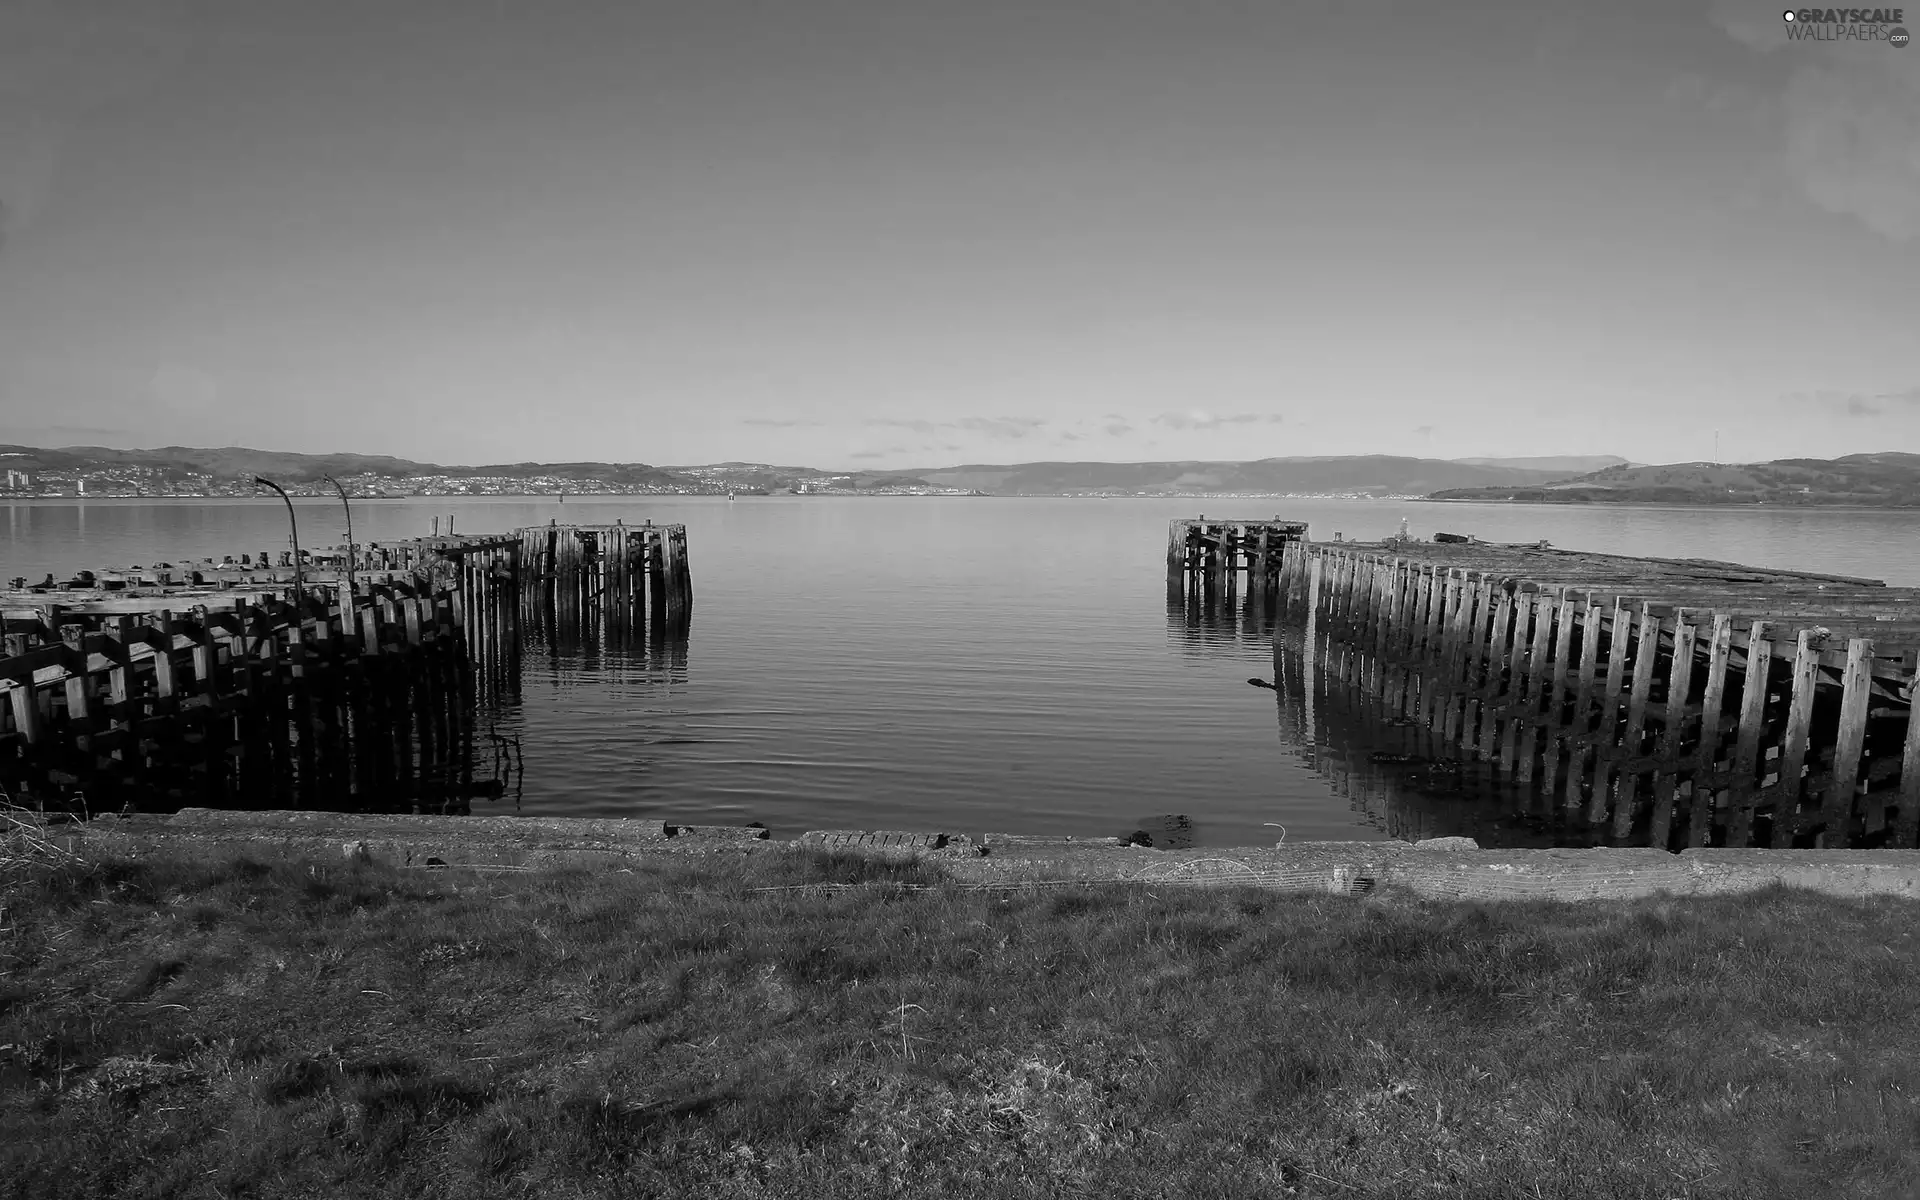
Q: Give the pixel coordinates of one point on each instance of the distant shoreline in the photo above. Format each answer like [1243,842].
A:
[1769,505]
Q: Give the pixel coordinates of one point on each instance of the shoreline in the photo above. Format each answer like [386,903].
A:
[1441,869]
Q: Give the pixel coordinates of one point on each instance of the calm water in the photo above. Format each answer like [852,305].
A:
[969,664]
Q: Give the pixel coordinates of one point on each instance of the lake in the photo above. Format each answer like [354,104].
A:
[968,664]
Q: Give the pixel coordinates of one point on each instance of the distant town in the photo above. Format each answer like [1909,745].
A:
[1885,479]
[150,481]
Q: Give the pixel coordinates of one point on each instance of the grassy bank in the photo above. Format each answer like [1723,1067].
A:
[238,1029]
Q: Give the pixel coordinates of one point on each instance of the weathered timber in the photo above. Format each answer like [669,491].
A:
[350,678]
[1668,702]
[1206,559]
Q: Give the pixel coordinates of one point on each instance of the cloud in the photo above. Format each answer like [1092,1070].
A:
[993,427]
[1853,404]
[867,454]
[1001,427]
[775,423]
[1201,419]
[1425,431]
[1850,120]
[1117,428]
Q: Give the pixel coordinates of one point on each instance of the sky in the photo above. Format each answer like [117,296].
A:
[899,233]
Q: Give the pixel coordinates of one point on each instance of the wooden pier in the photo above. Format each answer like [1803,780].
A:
[351,678]
[250,697]
[618,577]
[1667,703]
[1206,558]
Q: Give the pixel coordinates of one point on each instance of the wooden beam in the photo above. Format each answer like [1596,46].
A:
[1794,744]
[1848,744]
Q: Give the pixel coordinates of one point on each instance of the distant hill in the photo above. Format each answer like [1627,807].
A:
[230,462]
[225,461]
[1883,480]
[1572,464]
[598,472]
[1369,474]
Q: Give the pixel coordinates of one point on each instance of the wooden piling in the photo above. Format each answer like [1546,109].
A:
[1575,676]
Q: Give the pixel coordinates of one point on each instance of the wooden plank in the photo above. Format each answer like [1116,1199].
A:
[1666,778]
[1849,742]
[1533,688]
[1473,619]
[1706,754]
[1618,627]
[1794,743]
[1580,720]
[164,685]
[1906,826]
[1746,755]
[1513,705]
[1633,736]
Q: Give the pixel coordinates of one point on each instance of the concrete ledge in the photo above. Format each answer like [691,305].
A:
[1450,868]
[404,841]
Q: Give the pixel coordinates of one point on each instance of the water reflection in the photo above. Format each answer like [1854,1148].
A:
[1225,626]
[1349,716]
[603,647]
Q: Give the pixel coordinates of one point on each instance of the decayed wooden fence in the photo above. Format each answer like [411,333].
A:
[1668,702]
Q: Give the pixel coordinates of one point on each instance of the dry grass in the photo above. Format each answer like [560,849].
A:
[28,848]
[245,1030]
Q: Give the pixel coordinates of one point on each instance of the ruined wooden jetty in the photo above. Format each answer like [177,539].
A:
[338,677]
[1667,702]
[619,577]
[255,694]
[1206,558]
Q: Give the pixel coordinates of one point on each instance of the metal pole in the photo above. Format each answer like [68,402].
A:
[293,526]
[343,504]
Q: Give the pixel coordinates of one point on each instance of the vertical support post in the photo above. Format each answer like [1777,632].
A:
[1856,691]
[1579,744]
[1633,738]
[1706,757]
[1742,795]
[1619,631]
[1906,829]
[1666,777]
[1793,744]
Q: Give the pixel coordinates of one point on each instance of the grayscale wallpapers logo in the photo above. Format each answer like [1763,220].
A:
[1847,25]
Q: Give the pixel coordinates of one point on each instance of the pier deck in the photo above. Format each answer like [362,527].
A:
[1672,701]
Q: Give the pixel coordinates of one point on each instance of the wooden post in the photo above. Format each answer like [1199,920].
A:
[1618,628]
[1667,753]
[1906,829]
[1633,738]
[1580,720]
[26,711]
[1515,702]
[1793,744]
[161,623]
[1857,691]
[1746,754]
[1706,757]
